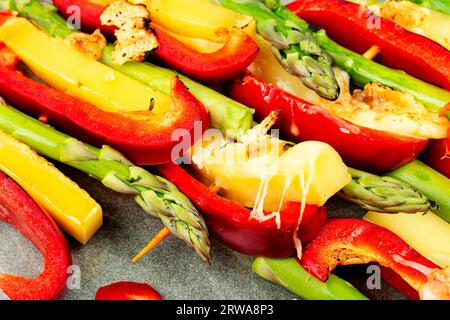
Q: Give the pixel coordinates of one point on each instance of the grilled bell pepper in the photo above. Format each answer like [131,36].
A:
[19,210]
[196,18]
[127,291]
[437,156]
[425,232]
[236,54]
[143,137]
[357,28]
[83,77]
[70,206]
[346,241]
[230,222]
[360,147]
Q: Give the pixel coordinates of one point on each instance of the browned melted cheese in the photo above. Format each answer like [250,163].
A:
[89,44]
[135,39]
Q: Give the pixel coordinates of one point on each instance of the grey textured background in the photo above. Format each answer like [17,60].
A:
[171,268]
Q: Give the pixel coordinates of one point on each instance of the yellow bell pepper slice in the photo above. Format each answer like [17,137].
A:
[427,233]
[70,206]
[66,69]
[195,18]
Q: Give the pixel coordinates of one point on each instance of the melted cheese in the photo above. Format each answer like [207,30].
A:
[383,108]
[415,18]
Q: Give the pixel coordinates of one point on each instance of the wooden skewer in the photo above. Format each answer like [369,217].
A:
[164,233]
[43,118]
[372,52]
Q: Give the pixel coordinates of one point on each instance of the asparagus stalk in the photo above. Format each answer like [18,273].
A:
[384,194]
[363,71]
[292,276]
[225,114]
[156,195]
[439,5]
[292,44]
[428,181]
[44,14]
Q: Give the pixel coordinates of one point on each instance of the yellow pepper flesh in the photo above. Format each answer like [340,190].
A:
[70,206]
[195,18]
[427,233]
[65,68]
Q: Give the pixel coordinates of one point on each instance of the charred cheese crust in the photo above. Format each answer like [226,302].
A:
[135,38]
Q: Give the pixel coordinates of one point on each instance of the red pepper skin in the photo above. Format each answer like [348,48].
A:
[146,140]
[437,156]
[353,27]
[222,65]
[360,147]
[230,222]
[90,13]
[127,291]
[236,55]
[346,241]
[19,210]
[398,283]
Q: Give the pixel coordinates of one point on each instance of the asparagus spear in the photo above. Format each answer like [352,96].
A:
[384,194]
[439,5]
[291,275]
[156,195]
[363,71]
[429,182]
[44,14]
[292,44]
[225,113]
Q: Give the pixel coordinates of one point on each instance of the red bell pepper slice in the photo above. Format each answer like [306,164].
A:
[349,24]
[360,147]
[127,291]
[437,155]
[236,55]
[230,222]
[19,210]
[145,141]
[347,241]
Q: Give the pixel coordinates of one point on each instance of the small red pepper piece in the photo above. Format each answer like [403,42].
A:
[127,291]
[437,153]
[437,156]
[347,241]
[224,64]
[236,55]
[19,210]
[360,147]
[358,29]
[230,222]
[146,140]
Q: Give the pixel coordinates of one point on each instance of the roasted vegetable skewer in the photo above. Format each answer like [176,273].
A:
[155,195]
